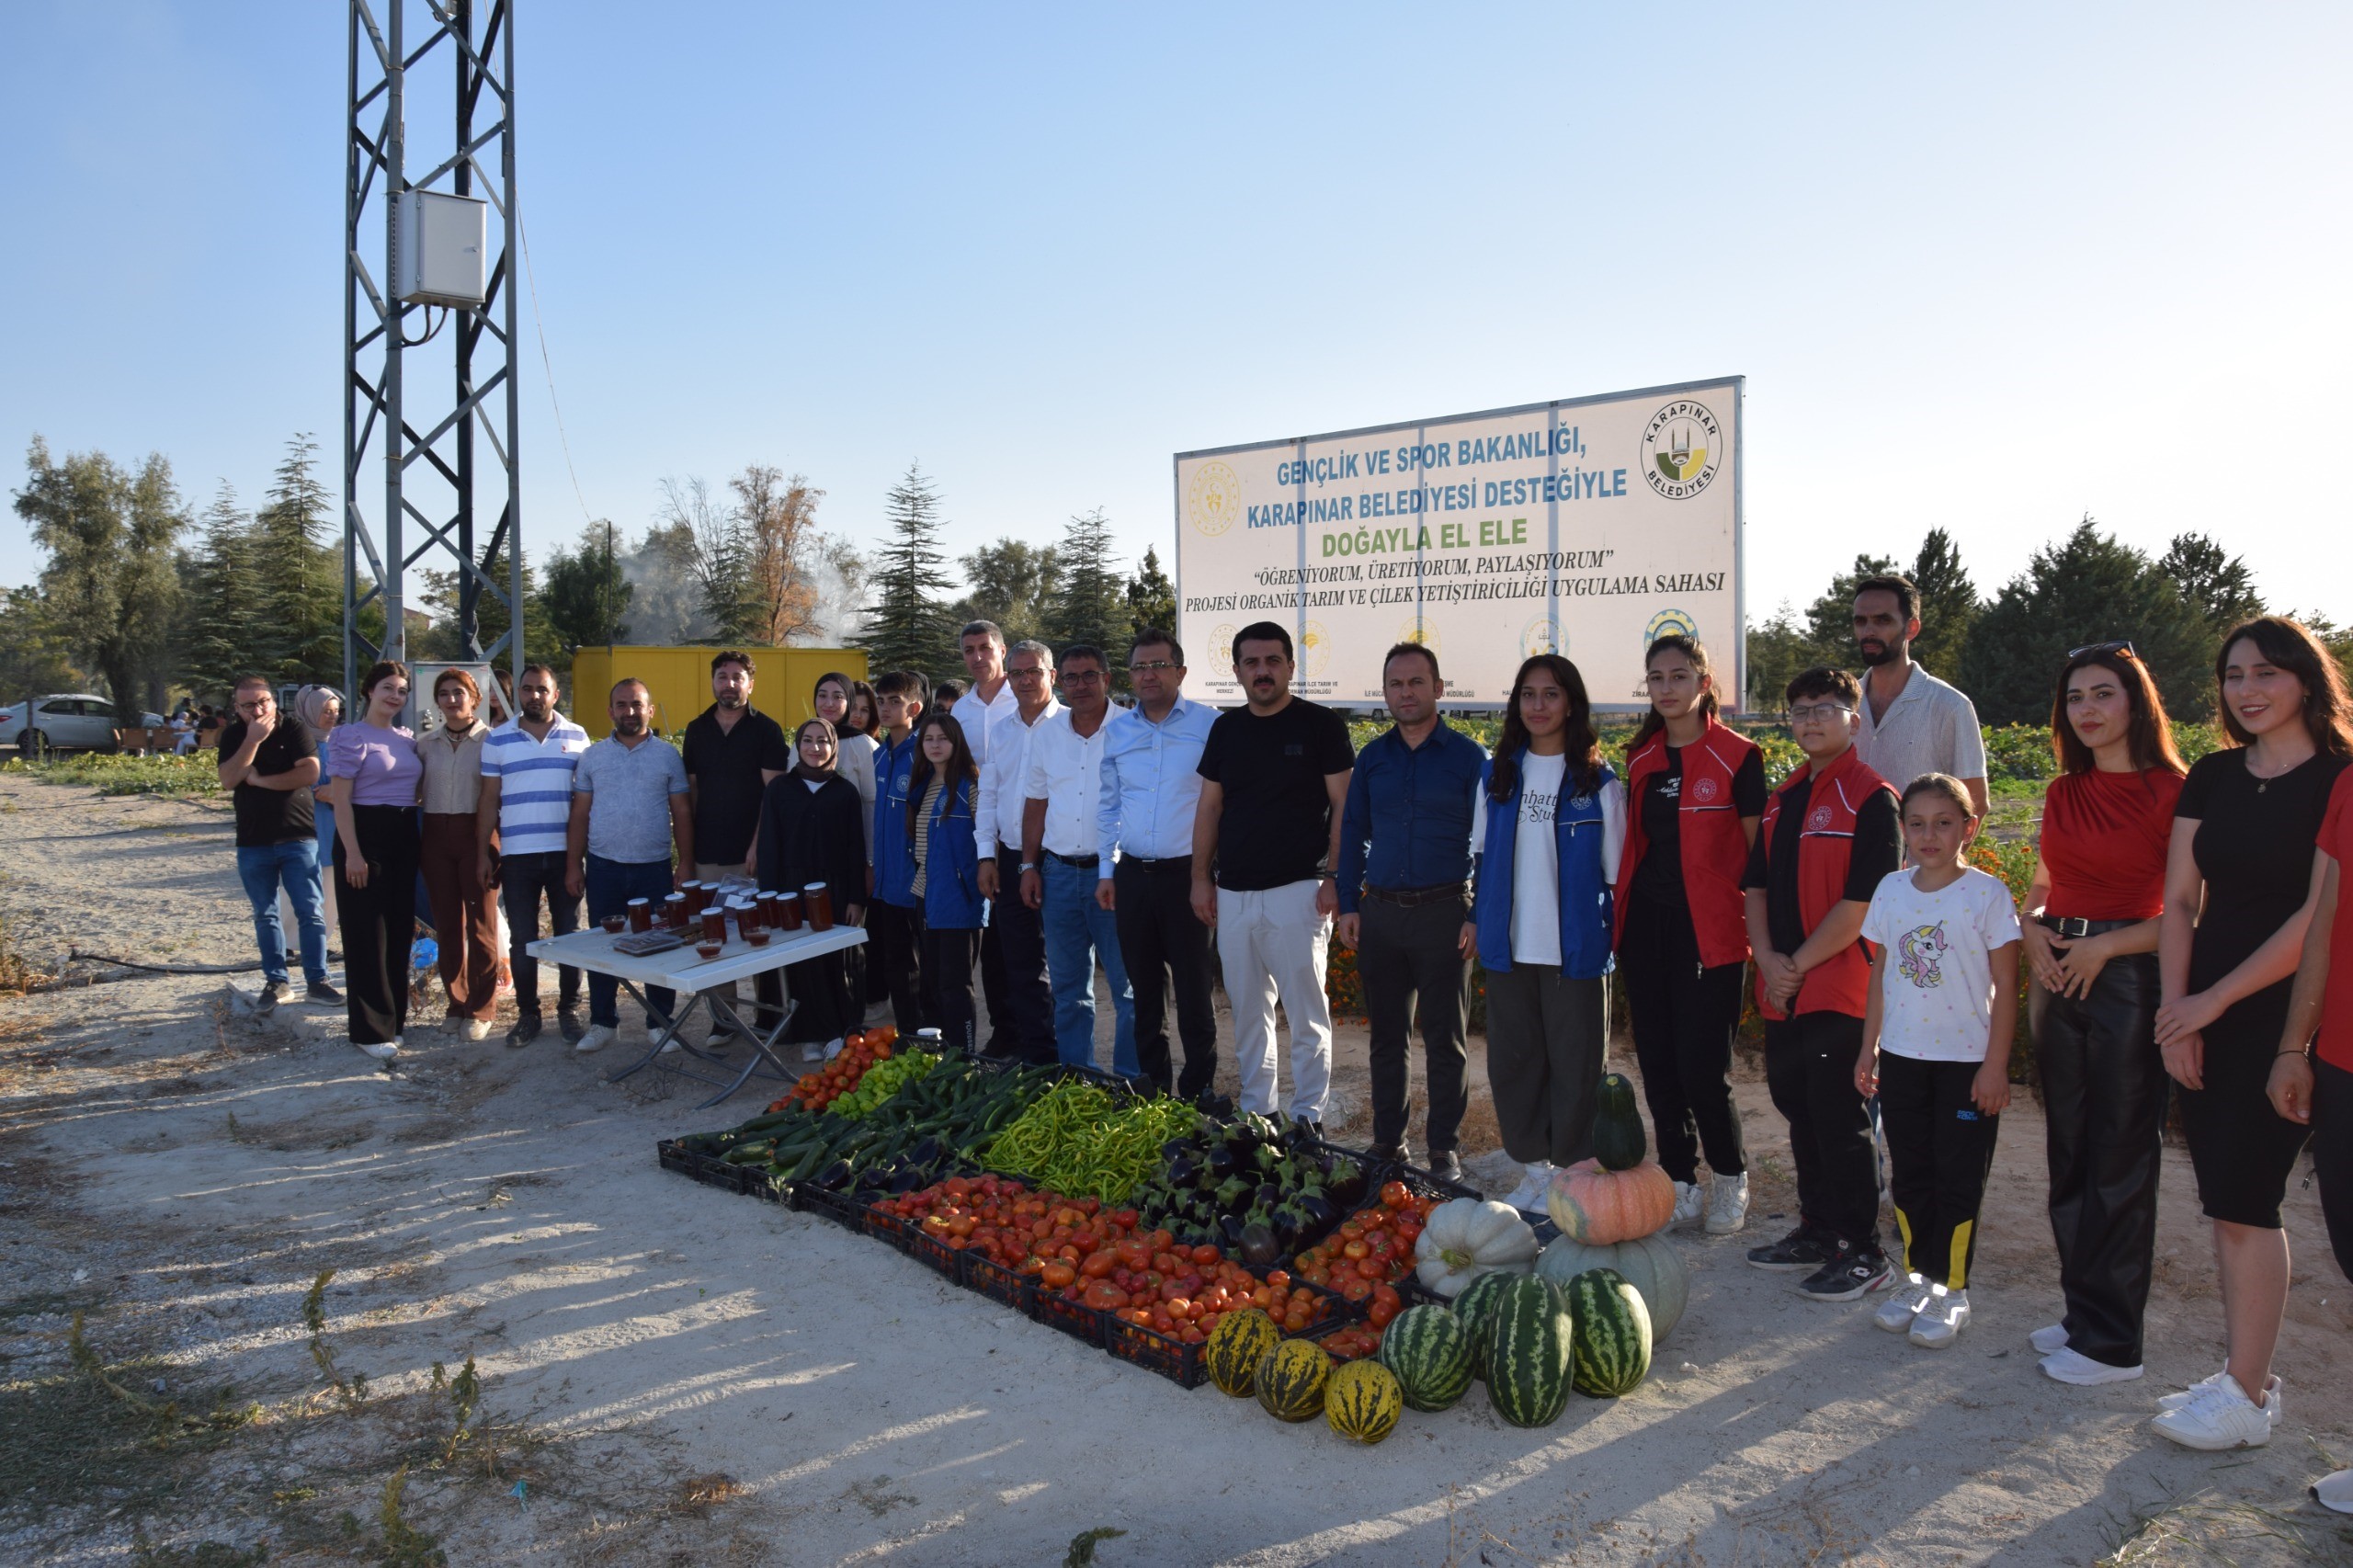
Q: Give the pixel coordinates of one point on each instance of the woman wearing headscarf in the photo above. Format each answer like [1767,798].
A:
[811,832]
[319,708]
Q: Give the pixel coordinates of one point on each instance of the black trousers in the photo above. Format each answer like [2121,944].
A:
[2104,1110]
[378,921]
[1411,962]
[1021,1013]
[894,949]
[2333,1156]
[949,954]
[1165,945]
[1683,1015]
[523,881]
[1810,1071]
[1940,1148]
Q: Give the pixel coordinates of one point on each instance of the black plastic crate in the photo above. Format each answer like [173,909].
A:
[1426,1184]
[1185,1365]
[708,1169]
[935,1254]
[887,1228]
[1082,1322]
[672,1155]
[839,1206]
[982,1273]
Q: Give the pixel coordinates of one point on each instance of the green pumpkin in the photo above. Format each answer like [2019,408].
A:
[1618,1138]
[1650,1264]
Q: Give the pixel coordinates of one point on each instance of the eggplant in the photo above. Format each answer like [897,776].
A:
[1285,1222]
[836,1176]
[1265,1157]
[925,1153]
[1234,1195]
[909,1178]
[1316,1211]
[1268,1195]
[1259,1247]
[1220,1160]
[1347,1187]
[1176,1149]
[1183,1171]
[1229,1231]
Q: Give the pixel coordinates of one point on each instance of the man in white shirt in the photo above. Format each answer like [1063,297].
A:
[1912,722]
[1148,791]
[984,708]
[1026,1021]
[1061,861]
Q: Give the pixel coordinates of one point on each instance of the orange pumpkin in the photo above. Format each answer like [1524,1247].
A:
[1599,1207]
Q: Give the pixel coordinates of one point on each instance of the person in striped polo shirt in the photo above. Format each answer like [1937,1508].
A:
[526,766]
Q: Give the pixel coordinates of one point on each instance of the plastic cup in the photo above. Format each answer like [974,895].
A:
[714,923]
[757,935]
[615,924]
[821,906]
[709,949]
[640,915]
[788,912]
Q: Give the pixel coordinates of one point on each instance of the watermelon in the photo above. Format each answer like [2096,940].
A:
[1529,1338]
[1235,1347]
[1428,1350]
[1475,1306]
[1362,1402]
[1650,1264]
[1291,1380]
[1609,1343]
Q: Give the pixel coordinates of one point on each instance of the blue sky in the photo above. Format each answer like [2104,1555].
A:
[1988,268]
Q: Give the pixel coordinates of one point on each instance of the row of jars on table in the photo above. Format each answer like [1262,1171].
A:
[757,917]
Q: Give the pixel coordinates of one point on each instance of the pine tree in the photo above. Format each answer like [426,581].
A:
[1090,602]
[1152,598]
[907,623]
[2216,583]
[1830,619]
[1948,603]
[583,597]
[226,630]
[301,595]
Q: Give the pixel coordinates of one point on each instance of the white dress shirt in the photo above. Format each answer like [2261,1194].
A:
[1062,772]
[980,721]
[996,815]
[1150,782]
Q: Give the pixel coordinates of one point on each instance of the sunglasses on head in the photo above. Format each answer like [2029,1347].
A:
[2121,645]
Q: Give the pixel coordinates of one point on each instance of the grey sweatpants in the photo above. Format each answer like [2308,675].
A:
[1545,1044]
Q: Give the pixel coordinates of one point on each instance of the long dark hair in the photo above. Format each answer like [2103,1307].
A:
[1673,642]
[960,765]
[2149,734]
[2291,646]
[1584,746]
[860,689]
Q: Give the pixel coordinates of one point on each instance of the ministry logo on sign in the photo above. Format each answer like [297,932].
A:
[1682,447]
[1213,499]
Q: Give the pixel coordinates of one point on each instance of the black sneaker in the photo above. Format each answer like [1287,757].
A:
[1314,1128]
[570,1024]
[1397,1151]
[525,1030]
[1853,1273]
[1444,1165]
[272,992]
[322,994]
[1803,1248]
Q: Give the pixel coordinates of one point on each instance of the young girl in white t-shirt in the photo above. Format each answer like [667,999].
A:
[1937,1033]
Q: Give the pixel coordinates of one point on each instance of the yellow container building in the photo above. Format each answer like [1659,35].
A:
[784,681]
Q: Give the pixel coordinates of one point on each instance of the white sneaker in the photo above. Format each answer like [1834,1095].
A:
[1902,1304]
[475,1029]
[2049,1337]
[1689,1200]
[383,1049]
[1529,1195]
[1941,1321]
[2334,1491]
[2270,1389]
[2218,1416]
[834,1046]
[599,1036]
[1727,1204]
[813,1051]
[2066,1366]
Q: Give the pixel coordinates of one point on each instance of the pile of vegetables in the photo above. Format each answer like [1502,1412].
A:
[1371,1251]
[882,1081]
[1082,1139]
[1261,1189]
[837,1077]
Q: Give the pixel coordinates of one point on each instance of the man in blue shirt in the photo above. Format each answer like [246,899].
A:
[1405,899]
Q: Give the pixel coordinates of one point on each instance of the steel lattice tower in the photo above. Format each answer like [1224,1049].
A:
[432,479]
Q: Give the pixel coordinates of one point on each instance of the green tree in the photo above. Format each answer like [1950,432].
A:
[719,557]
[2213,581]
[1776,651]
[776,532]
[227,632]
[301,591]
[1152,598]
[35,653]
[1090,602]
[2086,588]
[111,578]
[907,623]
[1830,619]
[445,639]
[1011,583]
[1948,603]
[582,595]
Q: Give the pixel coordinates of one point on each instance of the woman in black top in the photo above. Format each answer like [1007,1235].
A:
[811,832]
[2240,887]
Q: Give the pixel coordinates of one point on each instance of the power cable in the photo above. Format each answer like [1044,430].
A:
[548,366]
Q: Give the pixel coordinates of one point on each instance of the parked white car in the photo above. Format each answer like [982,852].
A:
[74,721]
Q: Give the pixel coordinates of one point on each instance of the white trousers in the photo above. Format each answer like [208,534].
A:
[1272,944]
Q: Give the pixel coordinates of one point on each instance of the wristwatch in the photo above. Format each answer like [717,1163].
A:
[1029,865]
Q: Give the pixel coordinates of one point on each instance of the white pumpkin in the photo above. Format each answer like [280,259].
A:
[1465,1238]
[1650,1264]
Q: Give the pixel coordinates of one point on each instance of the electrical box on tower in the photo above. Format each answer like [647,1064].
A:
[439,257]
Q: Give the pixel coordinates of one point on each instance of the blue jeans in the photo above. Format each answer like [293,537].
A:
[296,865]
[611,884]
[1078,932]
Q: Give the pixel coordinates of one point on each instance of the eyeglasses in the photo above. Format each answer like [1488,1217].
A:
[256,706]
[2121,645]
[1813,711]
[1026,674]
[1083,677]
[1138,669]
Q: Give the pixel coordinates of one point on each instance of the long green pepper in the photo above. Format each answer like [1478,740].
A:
[1079,1139]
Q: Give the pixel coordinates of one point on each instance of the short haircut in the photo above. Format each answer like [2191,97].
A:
[1943,784]
[547,670]
[473,686]
[732,656]
[1824,680]
[1085,651]
[1400,650]
[988,628]
[895,682]
[1907,597]
[1155,637]
[1031,645]
[261,681]
[625,681]
[1261,631]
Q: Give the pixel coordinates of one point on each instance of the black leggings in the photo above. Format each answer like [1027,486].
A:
[1685,1014]
[1809,1070]
[1940,1147]
[948,955]
[379,922]
[2333,1155]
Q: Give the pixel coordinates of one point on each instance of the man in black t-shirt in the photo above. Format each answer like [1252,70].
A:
[268,765]
[1265,847]
[732,751]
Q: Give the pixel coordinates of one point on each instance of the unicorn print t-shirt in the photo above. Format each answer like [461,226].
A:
[1938,987]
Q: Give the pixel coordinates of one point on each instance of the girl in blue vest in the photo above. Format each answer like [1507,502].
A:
[946,881]
[1547,828]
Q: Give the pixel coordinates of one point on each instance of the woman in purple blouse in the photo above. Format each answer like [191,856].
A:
[373,777]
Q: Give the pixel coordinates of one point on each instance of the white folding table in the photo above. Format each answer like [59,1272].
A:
[685,971]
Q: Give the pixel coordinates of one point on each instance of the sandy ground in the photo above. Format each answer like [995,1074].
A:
[675,1376]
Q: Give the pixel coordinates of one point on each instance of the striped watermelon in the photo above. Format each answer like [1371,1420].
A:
[1476,1307]
[1362,1402]
[1528,1353]
[1610,1342]
[1291,1380]
[1428,1350]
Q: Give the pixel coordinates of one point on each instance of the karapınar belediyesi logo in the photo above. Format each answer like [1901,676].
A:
[1682,448]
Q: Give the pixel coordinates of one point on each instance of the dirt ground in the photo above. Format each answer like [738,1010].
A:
[668,1375]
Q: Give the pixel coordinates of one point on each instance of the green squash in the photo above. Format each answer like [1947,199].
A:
[1618,1138]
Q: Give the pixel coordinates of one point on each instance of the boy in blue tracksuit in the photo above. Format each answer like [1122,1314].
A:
[894,919]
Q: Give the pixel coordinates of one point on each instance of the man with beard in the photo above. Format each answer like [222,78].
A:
[519,824]
[1912,722]
[627,788]
[1265,843]
[732,751]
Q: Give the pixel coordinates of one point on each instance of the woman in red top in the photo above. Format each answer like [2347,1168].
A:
[2091,931]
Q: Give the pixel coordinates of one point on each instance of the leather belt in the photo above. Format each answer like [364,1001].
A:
[2074,927]
[1086,862]
[1139,863]
[1413,898]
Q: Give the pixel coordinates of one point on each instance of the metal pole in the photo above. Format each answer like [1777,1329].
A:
[469,324]
[510,265]
[351,204]
[395,326]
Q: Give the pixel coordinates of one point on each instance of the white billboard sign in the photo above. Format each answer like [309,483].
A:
[1585,527]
